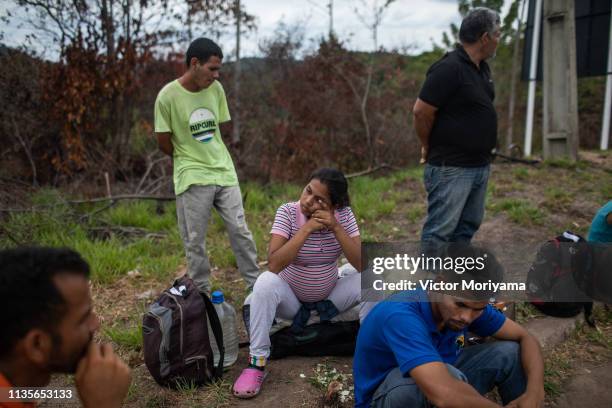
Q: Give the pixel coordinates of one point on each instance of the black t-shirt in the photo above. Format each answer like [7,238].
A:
[465,128]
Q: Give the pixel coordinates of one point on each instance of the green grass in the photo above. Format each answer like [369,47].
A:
[505,185]
[142,214]
[136,235]
[132,392]
[520,173]
[557,367]
[597,337]
[128,337]
[143,234]
[551,388]
[187,388]
[567,164]
[519,211]
[373,198]
[218,394]
[414,173]
[111,254]
[415,213]
[557,198]
[525,311]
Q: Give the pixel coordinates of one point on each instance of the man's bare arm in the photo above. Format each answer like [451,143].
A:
[424,115]
[531,359]
[164,141]
[443,390]
[227,131]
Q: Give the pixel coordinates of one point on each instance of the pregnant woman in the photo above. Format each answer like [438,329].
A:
[307,238]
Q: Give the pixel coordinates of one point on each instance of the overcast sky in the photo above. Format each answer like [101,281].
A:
[407,24]
[411,24]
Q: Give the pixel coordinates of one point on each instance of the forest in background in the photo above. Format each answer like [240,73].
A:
[70,121]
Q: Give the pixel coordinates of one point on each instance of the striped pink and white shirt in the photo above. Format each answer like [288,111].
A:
[314,272]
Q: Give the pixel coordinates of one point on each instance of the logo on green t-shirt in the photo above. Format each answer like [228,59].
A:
[202,124]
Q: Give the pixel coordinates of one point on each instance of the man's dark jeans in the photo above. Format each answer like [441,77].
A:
[483,366]
[455,204]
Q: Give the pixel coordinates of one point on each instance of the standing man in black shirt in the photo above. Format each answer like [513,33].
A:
[456,122]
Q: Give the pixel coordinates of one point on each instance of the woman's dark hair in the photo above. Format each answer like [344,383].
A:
[202,48]
[336,185]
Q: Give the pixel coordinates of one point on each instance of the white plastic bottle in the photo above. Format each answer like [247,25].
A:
[227,317]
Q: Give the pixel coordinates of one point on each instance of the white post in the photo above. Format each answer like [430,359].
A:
[605,126]
[535,45]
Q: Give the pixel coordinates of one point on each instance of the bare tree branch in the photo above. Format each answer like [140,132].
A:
[27,149]
[123,197]
[371,170]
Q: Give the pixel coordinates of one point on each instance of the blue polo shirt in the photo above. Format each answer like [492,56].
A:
[600,231]
[401,332]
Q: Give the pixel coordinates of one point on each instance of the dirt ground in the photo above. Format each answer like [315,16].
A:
[591,383]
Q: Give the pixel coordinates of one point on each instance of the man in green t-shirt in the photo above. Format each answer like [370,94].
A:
[190,113]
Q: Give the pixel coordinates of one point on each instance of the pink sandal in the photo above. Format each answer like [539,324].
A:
[249,383]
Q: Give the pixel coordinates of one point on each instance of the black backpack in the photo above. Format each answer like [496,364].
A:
[176,339]
[316,340]
[561,267]
[596,280]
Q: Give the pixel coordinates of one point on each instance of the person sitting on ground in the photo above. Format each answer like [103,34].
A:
[307,238]
[601,226]
[418,338]
[600,237]
[48,325]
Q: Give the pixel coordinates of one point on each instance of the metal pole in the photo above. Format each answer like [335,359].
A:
[237,73]
[605,128]
[535,45]
[515,59]
[331,18]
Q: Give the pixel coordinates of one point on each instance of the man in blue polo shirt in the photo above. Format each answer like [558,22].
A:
[410,351]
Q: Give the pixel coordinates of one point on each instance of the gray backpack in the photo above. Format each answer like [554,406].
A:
[176,343]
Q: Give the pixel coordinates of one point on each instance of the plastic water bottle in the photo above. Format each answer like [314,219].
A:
[227,317]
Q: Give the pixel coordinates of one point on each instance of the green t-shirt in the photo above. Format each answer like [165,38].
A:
[193,118]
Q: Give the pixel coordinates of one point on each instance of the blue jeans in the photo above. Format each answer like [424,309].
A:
[455,204]
[483,366]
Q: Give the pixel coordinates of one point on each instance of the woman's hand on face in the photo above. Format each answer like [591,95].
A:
[314,225]
[325,216]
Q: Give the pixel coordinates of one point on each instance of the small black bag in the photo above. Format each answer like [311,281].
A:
[319,339]
[176,339]
[596,279]
[316,340]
